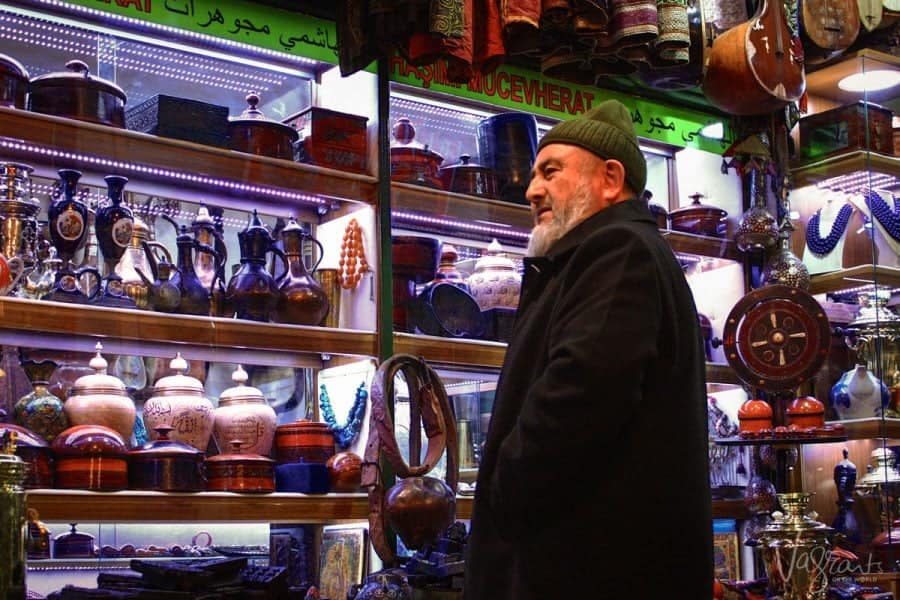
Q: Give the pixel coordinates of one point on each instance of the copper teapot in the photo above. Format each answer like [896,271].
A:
[301,300]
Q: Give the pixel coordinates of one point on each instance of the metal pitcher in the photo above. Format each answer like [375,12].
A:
[144,254]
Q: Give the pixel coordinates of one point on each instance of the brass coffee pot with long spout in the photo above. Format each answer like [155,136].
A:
[144,254]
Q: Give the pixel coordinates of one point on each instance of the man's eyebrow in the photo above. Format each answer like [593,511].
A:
[543,164]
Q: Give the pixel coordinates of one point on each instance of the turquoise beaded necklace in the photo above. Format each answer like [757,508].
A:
[346,433]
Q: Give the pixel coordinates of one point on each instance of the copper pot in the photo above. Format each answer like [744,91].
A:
[77,94]
[13,82]
[36,453]
[419,509]
[252,132]
[237,472]
[469,178]
[166,465]
[412,162]
[91,457]
[699,219]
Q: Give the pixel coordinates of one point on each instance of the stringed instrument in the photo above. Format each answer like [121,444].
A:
[827,28]
[755,68]
[870,12]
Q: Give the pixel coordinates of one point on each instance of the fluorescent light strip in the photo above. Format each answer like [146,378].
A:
[177,176]
[859,182]
[427,220]
[170,33]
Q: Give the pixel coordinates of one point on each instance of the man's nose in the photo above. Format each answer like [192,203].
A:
[534,192]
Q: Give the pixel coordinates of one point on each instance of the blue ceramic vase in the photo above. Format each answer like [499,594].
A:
[859,394]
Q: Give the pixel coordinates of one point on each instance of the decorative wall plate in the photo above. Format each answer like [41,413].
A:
[776,337]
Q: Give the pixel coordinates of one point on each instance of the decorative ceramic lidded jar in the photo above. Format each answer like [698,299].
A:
[243,414]
[101,399]
[495,282]
[178,402]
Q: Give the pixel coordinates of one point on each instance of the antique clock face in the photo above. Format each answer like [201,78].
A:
[776,337]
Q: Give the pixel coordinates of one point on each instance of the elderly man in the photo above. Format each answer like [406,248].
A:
[594,480]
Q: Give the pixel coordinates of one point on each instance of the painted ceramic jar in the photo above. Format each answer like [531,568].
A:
[178,402]
[496,282]
[243,414]
[859,394]
[101,399]
[40,411]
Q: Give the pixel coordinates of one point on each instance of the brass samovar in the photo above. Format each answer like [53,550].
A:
[795,549]
[875,336]
[18,213]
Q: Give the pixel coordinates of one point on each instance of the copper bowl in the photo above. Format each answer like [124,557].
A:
[253,133]
[76,94]
[91,457]
[36,453]
[237,472]
[166,465]
[14,82]
[699,219]
[469,178]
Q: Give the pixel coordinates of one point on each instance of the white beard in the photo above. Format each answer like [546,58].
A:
[545,235]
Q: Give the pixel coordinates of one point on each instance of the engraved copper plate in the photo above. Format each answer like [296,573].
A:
[776,337]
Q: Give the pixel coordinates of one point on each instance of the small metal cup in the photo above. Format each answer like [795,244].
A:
[328,279]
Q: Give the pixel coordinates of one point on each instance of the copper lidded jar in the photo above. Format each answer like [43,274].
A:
[36,453]
[91,457]
[699,219]
[254,133]
[469,178]
[101,399]
[411,161]
[240,471]
[76,94]
[165,465]
[179,402]
[243,414]
[13,82]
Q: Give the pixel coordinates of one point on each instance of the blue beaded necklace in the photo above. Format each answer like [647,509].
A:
[884,214]
[346,433]
[821,246]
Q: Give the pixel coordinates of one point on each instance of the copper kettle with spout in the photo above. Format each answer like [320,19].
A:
[144,254]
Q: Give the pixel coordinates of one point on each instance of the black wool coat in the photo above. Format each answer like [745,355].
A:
[594,480]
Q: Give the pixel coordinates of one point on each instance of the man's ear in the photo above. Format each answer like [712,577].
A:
[611,177]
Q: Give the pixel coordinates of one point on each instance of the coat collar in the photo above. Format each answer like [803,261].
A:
[628,210]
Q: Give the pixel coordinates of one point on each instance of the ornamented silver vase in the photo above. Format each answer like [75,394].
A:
[757,228]
[783,267]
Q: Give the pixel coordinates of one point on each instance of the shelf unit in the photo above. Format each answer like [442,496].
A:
[858,161]
[853,277]
[207,507]
[147,159]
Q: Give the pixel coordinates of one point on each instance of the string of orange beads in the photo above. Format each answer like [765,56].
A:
[352,263]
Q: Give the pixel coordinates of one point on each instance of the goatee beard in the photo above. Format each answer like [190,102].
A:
[565,218]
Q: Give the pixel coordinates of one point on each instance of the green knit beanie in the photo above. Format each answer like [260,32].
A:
[607,131]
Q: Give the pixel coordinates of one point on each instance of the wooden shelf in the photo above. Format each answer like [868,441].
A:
[732,508]
[845,164]
[702,245]
[36,318]
[73,506]
[460,207]
[864,429]
[479,353]
[71,143]
[854,277]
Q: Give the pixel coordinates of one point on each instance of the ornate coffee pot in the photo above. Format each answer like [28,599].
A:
[67,220]
[114,224]
[163,293]
[207,232]
[38,282]
[195,295]
[301,300]
[252,291]
[18,212]
[141,253]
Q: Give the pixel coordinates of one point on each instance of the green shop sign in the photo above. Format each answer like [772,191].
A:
[233,20]
[514,88]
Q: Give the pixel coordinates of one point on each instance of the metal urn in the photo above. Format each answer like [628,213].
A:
[795,548]
[12,519]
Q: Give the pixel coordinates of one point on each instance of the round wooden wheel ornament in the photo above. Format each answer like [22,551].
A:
[776,337]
